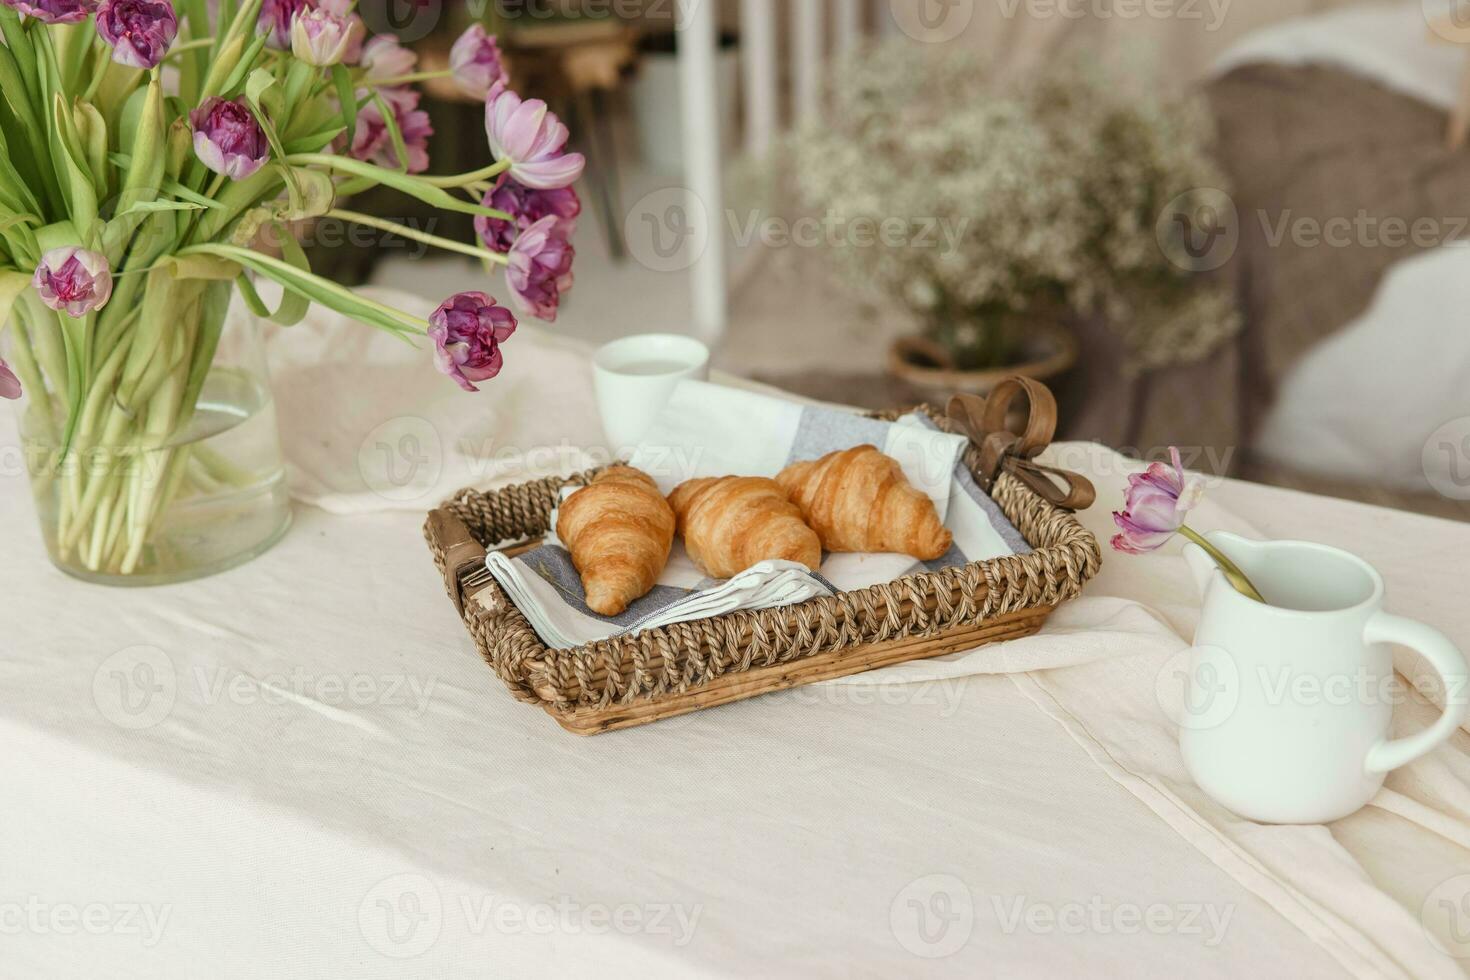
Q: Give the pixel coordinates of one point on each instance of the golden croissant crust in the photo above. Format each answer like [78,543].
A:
[859,500]
[619,529]
[731,523]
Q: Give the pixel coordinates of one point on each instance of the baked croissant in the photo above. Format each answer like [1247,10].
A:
[859,500]
[619,530]
[731,523]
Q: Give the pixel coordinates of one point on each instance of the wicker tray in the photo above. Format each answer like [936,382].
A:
[673,670]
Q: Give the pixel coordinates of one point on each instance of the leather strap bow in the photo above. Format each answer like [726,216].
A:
[985,421]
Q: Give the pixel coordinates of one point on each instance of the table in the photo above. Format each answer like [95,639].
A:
[302,769]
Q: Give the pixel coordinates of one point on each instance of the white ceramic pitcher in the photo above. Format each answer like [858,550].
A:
[1299,692]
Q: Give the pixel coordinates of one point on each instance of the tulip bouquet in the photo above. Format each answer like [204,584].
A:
[146,147]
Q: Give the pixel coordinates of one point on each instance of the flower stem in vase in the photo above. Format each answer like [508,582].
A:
[1233,574]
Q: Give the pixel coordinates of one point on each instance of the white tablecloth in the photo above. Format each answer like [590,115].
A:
[302,769]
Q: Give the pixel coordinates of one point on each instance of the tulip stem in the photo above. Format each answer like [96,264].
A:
[494,170]
[420,76]
[1233,574]
[445,243]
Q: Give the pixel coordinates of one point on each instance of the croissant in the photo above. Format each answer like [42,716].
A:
[859,500]
[731,523]
[619,530]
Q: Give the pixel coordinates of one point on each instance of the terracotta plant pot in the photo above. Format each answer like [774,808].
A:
[920,362]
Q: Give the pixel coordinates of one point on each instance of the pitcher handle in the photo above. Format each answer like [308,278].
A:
[1447,660]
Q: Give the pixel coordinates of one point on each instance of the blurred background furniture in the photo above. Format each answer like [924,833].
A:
[1294,137]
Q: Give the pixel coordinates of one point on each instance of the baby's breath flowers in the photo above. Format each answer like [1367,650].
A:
[982,202]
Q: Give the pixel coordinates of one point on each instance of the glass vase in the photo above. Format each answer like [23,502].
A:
[164,463]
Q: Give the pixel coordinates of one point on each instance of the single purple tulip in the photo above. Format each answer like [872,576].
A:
[532,139]
[73,281]
[320,38]
[276,17]
[1154,506]
[527,206]
[140,31]
[384,57]
[356,29]
[228,138]
[373,142]
[9,383]
[539,269]
[467,332]
[54,11]
[476,62]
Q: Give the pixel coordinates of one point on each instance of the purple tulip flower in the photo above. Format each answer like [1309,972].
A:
[140,31]
[9,383]
[532,139]
[384,58]
[320,38]
[1154,506]
[73,281]
[356,29]
[467,332]
[373,142]
[476,63]
[54,11]
[527,206]
[539,269]
[228,138]
[276,17]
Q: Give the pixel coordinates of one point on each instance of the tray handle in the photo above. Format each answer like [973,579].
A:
[986,422]
[463,555]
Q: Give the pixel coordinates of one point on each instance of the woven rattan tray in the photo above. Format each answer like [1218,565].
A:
[673,670]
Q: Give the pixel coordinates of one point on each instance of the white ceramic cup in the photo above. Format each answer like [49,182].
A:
[635,377]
